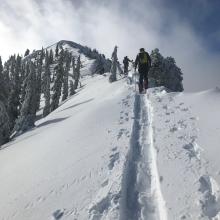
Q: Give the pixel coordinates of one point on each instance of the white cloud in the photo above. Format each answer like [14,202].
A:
[102,25]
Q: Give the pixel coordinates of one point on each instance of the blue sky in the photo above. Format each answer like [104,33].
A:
[188,30]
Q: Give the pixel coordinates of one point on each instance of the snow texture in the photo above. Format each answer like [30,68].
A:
[109,153]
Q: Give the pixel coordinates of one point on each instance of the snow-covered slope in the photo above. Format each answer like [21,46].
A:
[186,137]
[73,160]
[88,64]
[110,153]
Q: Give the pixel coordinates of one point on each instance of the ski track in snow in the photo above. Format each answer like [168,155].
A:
[141,193]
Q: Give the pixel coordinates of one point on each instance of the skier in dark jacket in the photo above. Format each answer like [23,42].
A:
[143,62]
[126,64]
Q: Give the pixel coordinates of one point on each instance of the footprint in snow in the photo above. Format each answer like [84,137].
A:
[193,150]
[193,118]
[181,137]
[211,196]
[185,109]
[165,107]
[58,214]
[174,129]
[113,159]
[105,183]
[114,148]
[121,132]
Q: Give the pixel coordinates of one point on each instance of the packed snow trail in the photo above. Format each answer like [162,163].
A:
[130,208]
[141,194]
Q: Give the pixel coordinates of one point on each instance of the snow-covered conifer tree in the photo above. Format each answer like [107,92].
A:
[173,75]
[51,56]
[4,119]
[46,85]
[3,85]
[57,51]
[74,67]
[72,91]
[77,73]
[164,72]
[66,75]
[29,106]
[39,75]
[112,77]
[27,52]
[15,88]
[156,73]
[4,124]
[59,71]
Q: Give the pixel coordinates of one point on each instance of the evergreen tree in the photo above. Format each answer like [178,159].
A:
[74,67]
[4,119]
[27,52]
[1,67]
[156,73]
[39,75]
[15,89]
[72,91]
[29,106]
[51,56]
[3,85]
[25,73]
[174,75]
[7,83]
[77,74]
[46,85]
[59,71]
[164,72]
[112,77]
[66,76]
[18,80]
[57,51]
[4,123]
[22,80]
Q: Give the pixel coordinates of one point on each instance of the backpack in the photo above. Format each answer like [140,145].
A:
[143,59]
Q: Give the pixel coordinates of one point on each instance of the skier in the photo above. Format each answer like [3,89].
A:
[143,61]
[126,64]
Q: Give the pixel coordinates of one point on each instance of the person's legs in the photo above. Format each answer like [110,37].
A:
[125,69]
[141,77]
[146,81]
